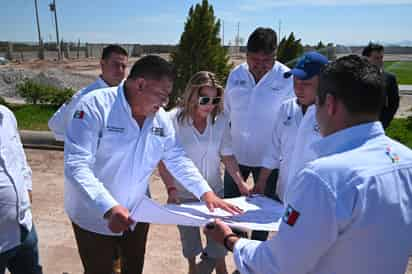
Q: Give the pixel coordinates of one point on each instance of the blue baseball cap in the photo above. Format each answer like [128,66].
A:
[307,66]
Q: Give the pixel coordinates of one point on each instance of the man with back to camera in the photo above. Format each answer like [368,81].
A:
[284,136]
[113,143]
[351,209]
[113,65]
[253,94]
[374,53]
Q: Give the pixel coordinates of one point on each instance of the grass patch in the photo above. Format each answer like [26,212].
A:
[401,130]
[33,117]
[402,70]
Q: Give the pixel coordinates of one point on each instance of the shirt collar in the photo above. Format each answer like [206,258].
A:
[101,82]
[347,139]
[121,94]
[272,71]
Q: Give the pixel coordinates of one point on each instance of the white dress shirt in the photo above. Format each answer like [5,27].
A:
[350,212]
[58,122]
[204,149]
[15,182]
[280,149]
[109,159]
[252,109]
[307,134]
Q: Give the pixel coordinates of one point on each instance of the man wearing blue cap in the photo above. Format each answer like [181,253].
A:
[289,117]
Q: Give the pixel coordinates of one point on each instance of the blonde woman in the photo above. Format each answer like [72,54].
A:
[203,131]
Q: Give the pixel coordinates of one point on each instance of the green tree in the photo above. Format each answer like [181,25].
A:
[320,45]
[289,50]
[199,49]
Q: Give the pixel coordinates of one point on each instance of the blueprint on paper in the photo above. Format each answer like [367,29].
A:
[260,213]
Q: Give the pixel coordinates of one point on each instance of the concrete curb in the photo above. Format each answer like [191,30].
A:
[407,88]
[40,140]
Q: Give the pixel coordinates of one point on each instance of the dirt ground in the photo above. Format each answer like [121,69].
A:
[58,251]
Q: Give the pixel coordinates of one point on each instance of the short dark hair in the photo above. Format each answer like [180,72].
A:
[262,40]
[356,82]
[152,67]
[107,51]
[371,47]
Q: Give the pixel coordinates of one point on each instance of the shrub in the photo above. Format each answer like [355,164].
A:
[31,91]
[401,130]
[2,101]
[34,93]
[58,97]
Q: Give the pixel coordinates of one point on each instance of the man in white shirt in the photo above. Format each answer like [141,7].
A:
[253,95]
[113,143]
[288,120]
[113,65]
[18,238]
[351,209]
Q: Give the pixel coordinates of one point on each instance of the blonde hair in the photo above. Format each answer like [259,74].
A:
[192,91]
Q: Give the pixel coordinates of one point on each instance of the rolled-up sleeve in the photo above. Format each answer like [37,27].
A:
[182,168]
[81,143]
[299,245]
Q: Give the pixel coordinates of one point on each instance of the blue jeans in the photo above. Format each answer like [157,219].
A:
[232,191]
[23,259]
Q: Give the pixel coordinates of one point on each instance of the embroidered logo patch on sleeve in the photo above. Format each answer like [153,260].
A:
[79,114]
[291,216]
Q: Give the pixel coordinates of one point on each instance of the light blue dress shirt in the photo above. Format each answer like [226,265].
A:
[109,158]
[350,212]
[15,182]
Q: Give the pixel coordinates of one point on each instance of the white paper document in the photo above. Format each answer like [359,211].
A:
[260,213]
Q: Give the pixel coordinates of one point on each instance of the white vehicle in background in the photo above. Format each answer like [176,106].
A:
[3,61]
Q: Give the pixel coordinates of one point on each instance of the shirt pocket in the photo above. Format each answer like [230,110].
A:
[240,99]
[112,143]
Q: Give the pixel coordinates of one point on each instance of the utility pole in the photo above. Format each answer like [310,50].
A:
[238,37]
[279,26]
[41,48]
[53,8]
[223,33]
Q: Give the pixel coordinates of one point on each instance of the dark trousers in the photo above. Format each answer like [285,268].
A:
[98,252]
[23,259]
[231,190]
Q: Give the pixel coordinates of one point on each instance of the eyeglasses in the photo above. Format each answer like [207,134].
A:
[204,100]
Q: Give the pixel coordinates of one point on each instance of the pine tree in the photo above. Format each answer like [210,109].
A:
[199,49]
[289,50]
[320,45]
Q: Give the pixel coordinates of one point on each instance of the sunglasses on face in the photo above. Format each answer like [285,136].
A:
[204,100]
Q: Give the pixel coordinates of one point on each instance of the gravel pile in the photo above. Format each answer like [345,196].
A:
[10,77]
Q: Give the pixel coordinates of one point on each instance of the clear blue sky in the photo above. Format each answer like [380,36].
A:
[347,22]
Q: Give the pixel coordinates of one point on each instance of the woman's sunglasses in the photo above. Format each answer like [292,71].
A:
[204,100]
